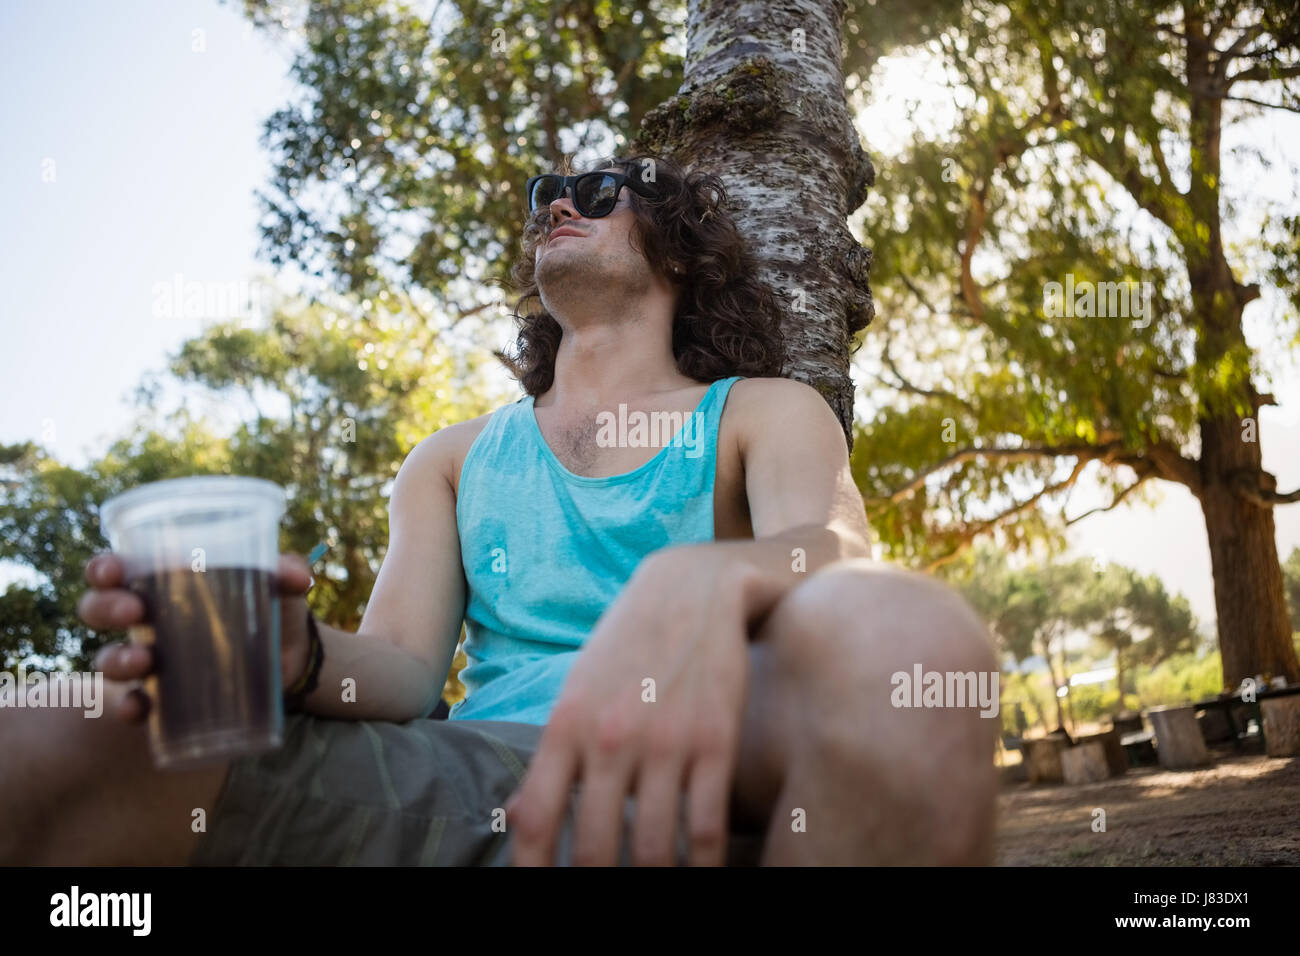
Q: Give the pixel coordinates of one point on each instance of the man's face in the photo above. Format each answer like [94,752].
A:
[581,256]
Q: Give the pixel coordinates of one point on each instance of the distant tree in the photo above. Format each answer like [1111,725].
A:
[1136,619]
[1291,574]
[49,529]
[333,400]
[1029,611]
[1033,610]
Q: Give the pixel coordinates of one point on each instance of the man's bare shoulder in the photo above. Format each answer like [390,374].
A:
[774,390]
[440,455]
[769,407]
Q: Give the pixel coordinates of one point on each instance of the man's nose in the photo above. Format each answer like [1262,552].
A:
[563,208]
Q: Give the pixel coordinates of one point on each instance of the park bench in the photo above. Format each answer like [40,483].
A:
[1136,742]
[1276,712]
[1139,747]
[1057,758]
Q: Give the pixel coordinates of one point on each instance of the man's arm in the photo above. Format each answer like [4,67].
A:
[805,510]
[400,657]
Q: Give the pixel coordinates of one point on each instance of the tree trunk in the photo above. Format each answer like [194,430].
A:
[1056,683]
[1249,594]
[1043,760]
[763,103]
[1281,720]
[1254,627]
[1065,682]
[1039,709]
[1119,678]
[1179,743]
[1085,763]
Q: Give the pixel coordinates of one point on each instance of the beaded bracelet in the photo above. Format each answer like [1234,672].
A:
[295,696]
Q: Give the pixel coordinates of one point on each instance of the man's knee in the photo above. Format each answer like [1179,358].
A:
[859,617]
[899,684]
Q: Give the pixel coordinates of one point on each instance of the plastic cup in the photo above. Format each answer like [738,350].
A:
[202,553]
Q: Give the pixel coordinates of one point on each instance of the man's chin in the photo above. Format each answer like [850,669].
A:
[556,269]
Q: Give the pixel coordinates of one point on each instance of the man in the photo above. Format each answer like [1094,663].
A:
[679,650]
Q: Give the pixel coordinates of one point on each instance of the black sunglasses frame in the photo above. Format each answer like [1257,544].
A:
[570,184]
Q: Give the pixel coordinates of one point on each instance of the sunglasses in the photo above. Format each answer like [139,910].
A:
[594,194]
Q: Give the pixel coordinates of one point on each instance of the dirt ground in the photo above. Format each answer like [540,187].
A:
[1242,810]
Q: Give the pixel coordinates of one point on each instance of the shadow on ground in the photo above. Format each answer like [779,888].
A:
[1243,810]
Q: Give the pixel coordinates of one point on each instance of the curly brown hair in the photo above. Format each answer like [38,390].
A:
[726,323]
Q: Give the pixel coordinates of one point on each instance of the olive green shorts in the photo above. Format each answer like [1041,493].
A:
[376,793]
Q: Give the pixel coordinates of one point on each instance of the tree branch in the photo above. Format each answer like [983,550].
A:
[473,310]
[1272,106]
[1142,477]
[1085,453]
[1161,200]
[971,532]
[1261,72]
[903,385]
[1199,43]
[920,296]
[1220,67]
[970,289]
[1243,483]
[1170,465]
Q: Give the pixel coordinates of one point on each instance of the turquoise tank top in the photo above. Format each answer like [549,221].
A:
[545,551]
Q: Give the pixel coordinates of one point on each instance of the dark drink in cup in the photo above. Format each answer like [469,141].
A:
[202,552]
[213,670]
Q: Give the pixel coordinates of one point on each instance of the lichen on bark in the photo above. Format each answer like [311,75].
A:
[744,99]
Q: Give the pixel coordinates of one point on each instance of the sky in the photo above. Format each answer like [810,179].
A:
[152,148]
[131,164]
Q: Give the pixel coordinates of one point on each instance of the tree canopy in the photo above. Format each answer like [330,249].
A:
[1064,275]
[331,404]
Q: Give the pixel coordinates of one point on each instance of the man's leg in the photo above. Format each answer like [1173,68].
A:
[79,791]
[839,774]
[835,772]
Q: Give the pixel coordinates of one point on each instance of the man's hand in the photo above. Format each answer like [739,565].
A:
[681,623]
[111,605]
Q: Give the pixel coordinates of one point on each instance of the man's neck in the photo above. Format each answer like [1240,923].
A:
[598,366]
